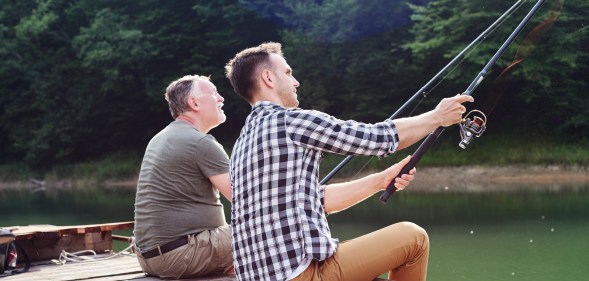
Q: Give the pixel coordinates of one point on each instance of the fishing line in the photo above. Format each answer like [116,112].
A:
[501,21]
[427,143]
[531,40]
[435,81]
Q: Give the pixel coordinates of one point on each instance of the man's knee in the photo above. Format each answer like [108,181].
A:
[415,231]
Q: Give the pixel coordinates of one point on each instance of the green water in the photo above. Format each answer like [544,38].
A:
[525,250]
[524,235]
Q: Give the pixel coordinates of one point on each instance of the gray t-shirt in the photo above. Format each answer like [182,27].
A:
[174,195]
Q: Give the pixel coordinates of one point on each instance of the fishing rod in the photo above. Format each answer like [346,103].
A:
[422,91]
[470,128]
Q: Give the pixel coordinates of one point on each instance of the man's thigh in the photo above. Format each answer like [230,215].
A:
[209,252]
[399,247]
[368,256]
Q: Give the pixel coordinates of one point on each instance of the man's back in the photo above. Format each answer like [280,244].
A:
[174,195]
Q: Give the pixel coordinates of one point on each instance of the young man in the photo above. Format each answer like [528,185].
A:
[280,230]
[180,226]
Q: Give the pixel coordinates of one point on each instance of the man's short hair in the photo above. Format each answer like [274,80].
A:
[177,93]
[243,69]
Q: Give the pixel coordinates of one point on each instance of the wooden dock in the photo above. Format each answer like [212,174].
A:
[45,243]
[104,267]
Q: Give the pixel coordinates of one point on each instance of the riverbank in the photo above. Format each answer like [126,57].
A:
[505,178]
[500,178]
[428,179]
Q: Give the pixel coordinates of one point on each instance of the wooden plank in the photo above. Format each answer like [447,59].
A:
[122,238]
[98,242]
[130,276]
[51,247]
[142,277]
[122,267]
[94,268]
[44,242]
[45,231]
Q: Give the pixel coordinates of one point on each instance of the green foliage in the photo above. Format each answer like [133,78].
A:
[548,87]
[83,79]
[119,166]
[15,173]
[492,149]
[347,57]
[86,78]
[509,150]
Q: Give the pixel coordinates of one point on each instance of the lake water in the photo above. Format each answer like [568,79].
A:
[508,235]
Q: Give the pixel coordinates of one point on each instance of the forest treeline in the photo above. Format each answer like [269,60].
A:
[80,79]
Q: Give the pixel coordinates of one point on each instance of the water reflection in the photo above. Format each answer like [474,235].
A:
[65,206]
[507,232]
[514,234]
[453,207]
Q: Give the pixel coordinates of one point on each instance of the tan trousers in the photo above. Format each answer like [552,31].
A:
[402,249]
[207,253]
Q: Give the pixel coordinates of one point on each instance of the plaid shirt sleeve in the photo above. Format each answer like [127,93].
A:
[319,131]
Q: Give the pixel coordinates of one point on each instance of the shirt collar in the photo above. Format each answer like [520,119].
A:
[266,104]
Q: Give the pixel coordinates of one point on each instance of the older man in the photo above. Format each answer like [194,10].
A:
[180,226]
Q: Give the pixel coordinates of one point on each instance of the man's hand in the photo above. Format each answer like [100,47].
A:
[449,111]
[401,182]
[340,196]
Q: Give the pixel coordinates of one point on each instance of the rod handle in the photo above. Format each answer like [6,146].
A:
[421,150]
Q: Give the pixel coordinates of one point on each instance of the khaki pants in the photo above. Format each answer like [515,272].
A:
[402,249]
[207,253]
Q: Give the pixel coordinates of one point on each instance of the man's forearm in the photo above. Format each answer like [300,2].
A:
[340,196]
[413,129]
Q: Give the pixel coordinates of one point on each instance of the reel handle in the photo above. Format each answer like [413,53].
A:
[470,129]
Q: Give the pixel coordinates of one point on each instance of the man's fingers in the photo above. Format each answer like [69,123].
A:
[405,160]
[464,98]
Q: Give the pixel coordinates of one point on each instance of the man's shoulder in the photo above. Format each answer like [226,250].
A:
[181,136]
[300,114]
[208,141]
[180,130]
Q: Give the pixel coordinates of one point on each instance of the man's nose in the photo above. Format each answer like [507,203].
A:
[295,82]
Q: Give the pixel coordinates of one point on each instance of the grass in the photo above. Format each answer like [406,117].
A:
[507,151]
[118,166]
[487,151]
[490,150]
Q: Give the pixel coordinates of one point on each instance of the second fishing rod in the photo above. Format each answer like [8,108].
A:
[427,143]
[423,91]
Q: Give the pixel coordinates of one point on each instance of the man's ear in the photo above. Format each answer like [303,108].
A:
[192,104]
[267,78]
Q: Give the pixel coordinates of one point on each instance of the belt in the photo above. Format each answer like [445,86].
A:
[165,248]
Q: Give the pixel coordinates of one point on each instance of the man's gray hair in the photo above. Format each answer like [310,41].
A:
[178,92]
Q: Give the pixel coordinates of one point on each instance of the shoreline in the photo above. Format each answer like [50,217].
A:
[504,178]
[501,178]
[427,179]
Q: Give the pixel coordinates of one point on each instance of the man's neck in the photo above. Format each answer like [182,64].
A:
[265,96]
[193,122]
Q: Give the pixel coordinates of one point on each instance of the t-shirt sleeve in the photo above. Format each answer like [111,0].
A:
[212,158]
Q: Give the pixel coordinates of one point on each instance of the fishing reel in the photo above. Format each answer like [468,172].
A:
[470,129]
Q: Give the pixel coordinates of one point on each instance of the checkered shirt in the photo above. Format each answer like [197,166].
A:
[277,215]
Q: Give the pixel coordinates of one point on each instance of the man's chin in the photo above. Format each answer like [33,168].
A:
[293,104]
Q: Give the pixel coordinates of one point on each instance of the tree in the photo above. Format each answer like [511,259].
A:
[347,55]
[86,78]
[540,89]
